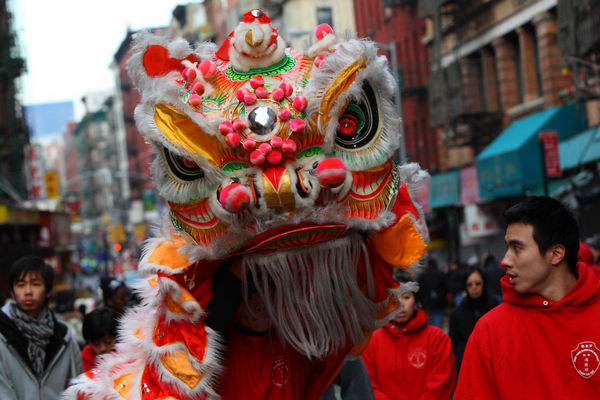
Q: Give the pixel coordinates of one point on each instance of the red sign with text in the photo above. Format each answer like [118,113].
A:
[549,141]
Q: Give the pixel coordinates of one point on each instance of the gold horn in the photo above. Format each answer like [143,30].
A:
[250,39]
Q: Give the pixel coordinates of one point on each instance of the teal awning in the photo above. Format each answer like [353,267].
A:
[445,189]
[512,163]
[580,149]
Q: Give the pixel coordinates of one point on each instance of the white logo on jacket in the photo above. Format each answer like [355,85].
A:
[417,358]
[586,359]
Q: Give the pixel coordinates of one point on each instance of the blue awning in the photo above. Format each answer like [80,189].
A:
[580,149]
[445,189]
[512,163]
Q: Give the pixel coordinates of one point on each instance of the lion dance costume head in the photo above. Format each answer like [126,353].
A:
[285,160]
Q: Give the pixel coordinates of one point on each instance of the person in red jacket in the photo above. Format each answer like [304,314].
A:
[543,341]
[100,332]
[410,359]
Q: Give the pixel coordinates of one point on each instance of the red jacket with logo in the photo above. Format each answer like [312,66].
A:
[412,363]
[530,347]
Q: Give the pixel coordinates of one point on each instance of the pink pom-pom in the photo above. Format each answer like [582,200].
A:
[276,142]
[298,125]
[257,158]
[240,125]
[257,81]
[232,139]
[274,157]
[208,69]
[320,60]
[289,146]
[189,74]
[287,89]
[249,144]
[300,103]
[235,197]
[225,127]
[197,87]
[331,172]
[284,113]
[278,94]
[195,100]
[250,98]
[261,92]
[241,93]
[323,30]
[265,148]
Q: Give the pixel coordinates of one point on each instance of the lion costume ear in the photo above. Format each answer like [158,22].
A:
[157,62]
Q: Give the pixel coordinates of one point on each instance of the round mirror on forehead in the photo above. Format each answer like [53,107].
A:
[262,120]
[257,13]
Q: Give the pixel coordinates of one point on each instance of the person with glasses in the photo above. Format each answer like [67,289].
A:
[465,316]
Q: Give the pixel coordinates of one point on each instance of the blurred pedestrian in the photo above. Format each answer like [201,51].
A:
[594,243]
[492,274]
[352,382]
[543,341]
[100,333]
[410,359]
[116,294]
[463,318]
[38,354]
[433,289]
[454,283]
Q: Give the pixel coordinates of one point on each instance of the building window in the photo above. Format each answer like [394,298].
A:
[324,16]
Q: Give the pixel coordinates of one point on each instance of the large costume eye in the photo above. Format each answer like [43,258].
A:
[363,140]
[183,168]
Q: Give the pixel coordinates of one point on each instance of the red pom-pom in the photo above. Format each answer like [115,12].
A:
[257,157]
[300,103]
[189,74]
[261,92]
[298,125]
[197,87]
[257,81]
[250,98]
[235,197]
[241,93]
[274,157]
[225,127]
[284,113]
[289,146]
[265,148]
[331,172]
[276,142]
[323,30]
[195,100]
[232,139]
[287,89]
[208,69]
[249,144]
[240,125]
[278,94]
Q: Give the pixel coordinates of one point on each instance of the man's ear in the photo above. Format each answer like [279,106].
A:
[558,254]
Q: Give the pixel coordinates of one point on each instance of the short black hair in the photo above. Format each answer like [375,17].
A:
[470,271]
[553,223]
[26,264]
[98,323]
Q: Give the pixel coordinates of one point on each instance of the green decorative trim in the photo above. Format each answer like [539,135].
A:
[311,151]
[235,166]
[285,65]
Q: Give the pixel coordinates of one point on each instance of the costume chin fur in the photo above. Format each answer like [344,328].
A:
[283,158]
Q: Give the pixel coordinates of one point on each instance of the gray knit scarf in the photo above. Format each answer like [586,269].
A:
[37,331]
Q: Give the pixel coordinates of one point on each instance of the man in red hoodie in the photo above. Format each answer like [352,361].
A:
[543,342]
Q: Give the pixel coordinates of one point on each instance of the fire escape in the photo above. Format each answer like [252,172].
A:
[457,99]
[13,131]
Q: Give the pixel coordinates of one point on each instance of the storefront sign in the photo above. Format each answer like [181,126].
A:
[549,141]
[36,179]
[482,220]
[469,185]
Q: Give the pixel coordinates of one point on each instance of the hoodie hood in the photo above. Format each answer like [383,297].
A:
[587,288]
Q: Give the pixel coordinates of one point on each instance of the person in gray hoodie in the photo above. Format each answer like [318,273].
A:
[38,355]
